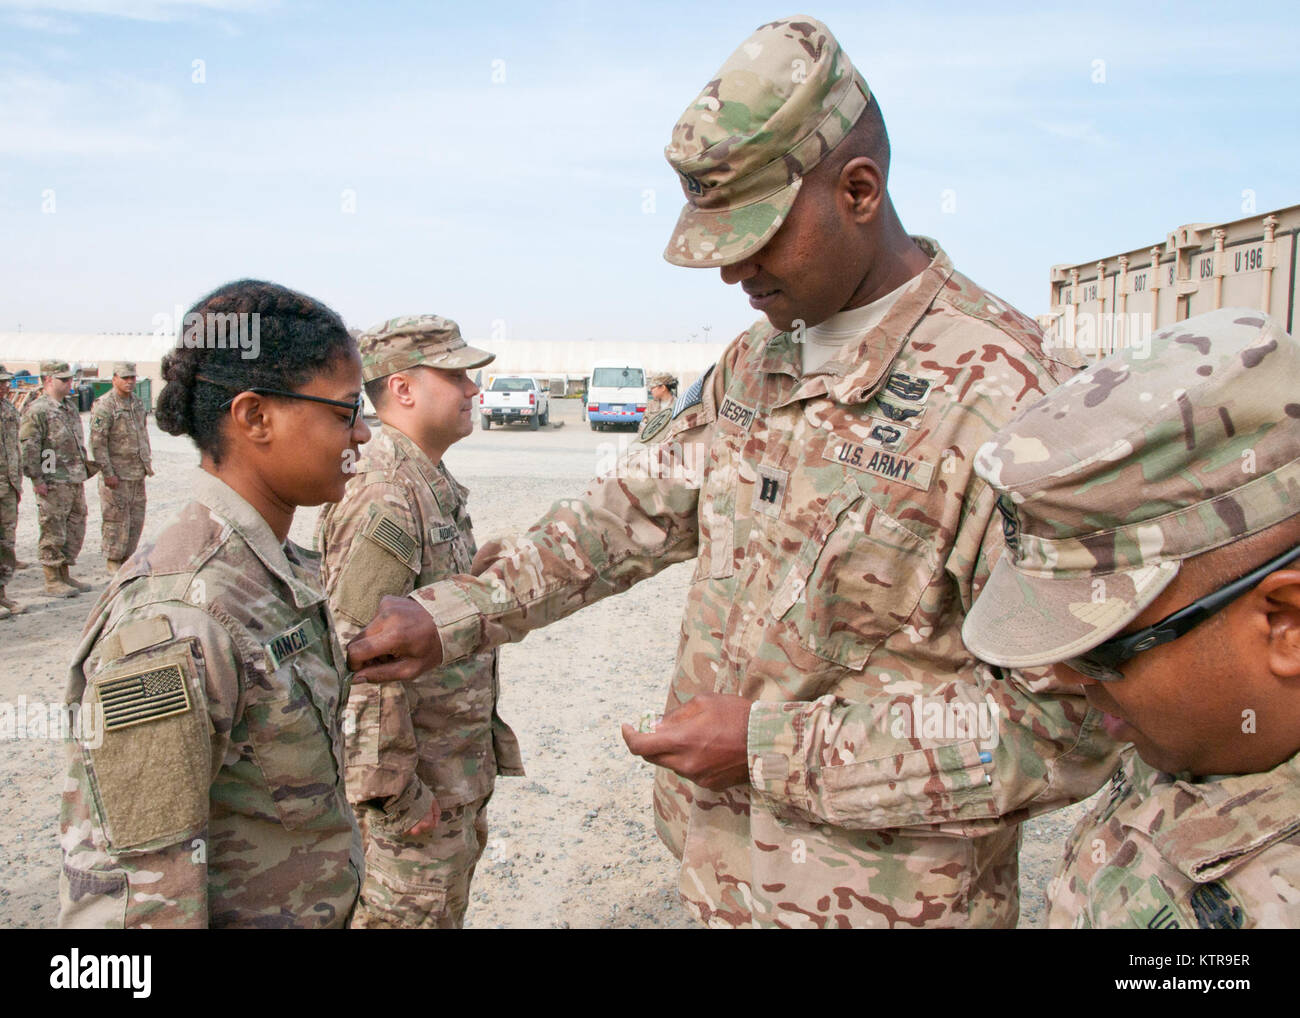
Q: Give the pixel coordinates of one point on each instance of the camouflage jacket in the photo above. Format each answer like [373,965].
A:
[119,436]
[1160,853]
[840,535]
[11,459]
[403,524]
[54,448]
[215,796]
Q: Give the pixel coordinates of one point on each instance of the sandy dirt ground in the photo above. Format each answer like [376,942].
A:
[573,843]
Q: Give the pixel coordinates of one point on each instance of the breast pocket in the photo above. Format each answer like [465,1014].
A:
[857,579]
[289,728]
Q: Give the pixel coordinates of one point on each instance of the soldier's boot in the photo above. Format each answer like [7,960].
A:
[72,581]
[54,584]
[9,606]
[113,564]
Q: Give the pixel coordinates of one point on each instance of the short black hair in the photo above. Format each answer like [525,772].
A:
[298,337]
[377,392]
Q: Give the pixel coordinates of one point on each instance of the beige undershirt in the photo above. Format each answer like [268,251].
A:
[825,342]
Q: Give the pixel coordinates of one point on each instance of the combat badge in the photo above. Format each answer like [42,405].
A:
[1215,908]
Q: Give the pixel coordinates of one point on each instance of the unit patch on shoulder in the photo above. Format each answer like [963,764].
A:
[655,424]
[891,466]
[385,530]
[736,413]
[693,396]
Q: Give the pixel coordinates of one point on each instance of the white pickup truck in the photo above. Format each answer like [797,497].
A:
[512,399]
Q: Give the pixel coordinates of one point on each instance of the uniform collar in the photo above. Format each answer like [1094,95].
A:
[856,374]
[1208,828]
[247,522]
[448,493]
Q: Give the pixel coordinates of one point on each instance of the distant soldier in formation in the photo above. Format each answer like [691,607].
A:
[1153,536]
[54,457]
[424,754]
[11,483]
[119,444]
[663,392]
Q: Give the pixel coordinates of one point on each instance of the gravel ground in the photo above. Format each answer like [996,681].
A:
[573,843]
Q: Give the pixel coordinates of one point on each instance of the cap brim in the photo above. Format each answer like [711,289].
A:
[465,357]
[1025,621]
[707,239]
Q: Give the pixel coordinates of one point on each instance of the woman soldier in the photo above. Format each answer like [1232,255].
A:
[207,787]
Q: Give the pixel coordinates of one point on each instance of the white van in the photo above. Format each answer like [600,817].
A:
[616,394]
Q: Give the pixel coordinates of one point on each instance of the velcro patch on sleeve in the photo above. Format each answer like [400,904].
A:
[385,530]
[150,772]
[372,570]
[146,633]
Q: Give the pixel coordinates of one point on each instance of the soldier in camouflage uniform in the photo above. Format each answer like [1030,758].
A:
[663,391]
[820,764]
[424,753]
[206,787]
[1146,485]
[11,487]
[54,457]
[119,444]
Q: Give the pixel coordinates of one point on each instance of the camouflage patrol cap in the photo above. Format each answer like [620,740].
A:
[5,376]
[663,378]
[59,369]
[124,369]
[779,104]
[1109,481]
[410,340]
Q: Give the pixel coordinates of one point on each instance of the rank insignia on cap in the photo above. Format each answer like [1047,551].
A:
[1010,524]
[692,185]
[147,695]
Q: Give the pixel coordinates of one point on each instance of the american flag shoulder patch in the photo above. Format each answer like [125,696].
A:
[384,530]
[152,690]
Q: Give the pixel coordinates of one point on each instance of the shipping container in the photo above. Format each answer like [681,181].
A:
[1101,305]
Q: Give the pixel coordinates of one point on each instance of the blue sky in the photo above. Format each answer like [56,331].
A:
[537,207]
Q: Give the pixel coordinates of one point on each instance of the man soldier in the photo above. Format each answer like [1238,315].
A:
[1154,555]
[11,488]
[831,754]
[119,444]
[54,457]
[424,754]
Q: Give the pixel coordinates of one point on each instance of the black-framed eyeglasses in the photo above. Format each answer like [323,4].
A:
[264,391]
[1101,663]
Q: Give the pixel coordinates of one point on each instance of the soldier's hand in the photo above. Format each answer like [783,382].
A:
[400,643]
[112,482]
[148,471]
[41,489]
[704,741]
[428,824]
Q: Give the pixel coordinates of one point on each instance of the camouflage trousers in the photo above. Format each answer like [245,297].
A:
[8,528]
[62,518]
[123,512]
[421,882]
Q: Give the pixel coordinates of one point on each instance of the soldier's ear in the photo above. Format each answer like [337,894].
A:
[1281,592]
[399,389]
[861,185]
[251,417]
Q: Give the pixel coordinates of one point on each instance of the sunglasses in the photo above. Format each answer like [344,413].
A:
[1101,663]
[259,390]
